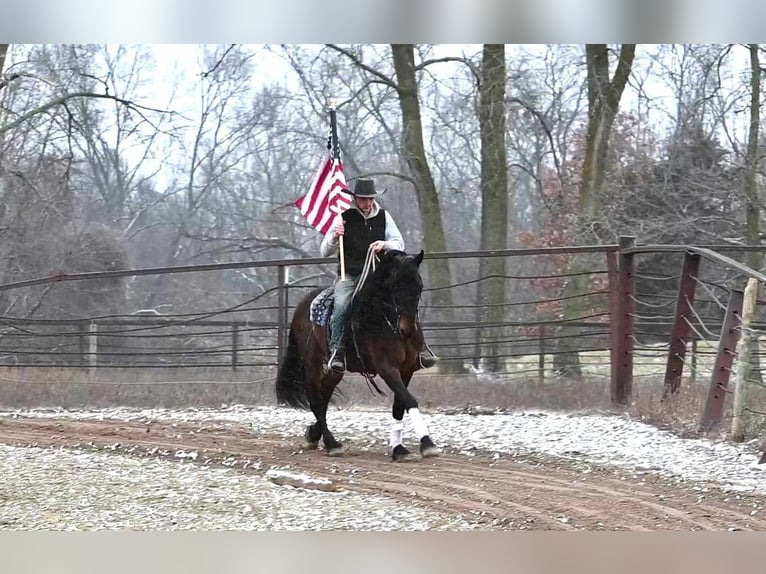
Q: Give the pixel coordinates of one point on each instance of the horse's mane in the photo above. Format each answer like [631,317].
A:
[393,288]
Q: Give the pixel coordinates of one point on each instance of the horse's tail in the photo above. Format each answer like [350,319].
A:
[291,378]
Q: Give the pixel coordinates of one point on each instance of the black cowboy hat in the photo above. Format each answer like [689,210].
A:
[365,187]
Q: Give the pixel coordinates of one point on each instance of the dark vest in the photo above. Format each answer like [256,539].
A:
[359,233]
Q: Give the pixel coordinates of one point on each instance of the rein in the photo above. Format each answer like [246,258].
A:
[369,264]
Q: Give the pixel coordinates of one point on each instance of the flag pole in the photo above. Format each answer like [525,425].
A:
[331,106]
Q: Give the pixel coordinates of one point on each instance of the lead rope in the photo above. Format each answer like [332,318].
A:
[369,264]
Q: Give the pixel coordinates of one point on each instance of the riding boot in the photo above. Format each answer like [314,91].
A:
[338,359]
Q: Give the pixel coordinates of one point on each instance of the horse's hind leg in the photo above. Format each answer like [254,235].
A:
[319,400]
[314,431]
[312,436]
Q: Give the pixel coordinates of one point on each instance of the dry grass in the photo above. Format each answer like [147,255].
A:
[679,413]
[518,388]
[170,388]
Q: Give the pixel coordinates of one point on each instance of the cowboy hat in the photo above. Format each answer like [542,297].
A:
[364,187]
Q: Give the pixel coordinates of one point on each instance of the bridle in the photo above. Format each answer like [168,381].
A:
[369,266]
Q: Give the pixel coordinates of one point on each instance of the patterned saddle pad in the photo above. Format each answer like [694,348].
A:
[321,307]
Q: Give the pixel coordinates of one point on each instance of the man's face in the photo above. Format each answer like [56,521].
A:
[365,204]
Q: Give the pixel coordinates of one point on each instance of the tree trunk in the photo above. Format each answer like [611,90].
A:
[494,200]
[603,103]
[3,52]
[425,189]
[752,215]
[604,96]
[754,259]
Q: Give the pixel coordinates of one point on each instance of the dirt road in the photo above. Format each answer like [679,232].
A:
[533,493]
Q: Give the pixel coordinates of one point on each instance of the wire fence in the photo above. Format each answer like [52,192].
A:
[587,310]
[250,331]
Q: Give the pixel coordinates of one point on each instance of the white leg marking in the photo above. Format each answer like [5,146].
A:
[418,423]
[397,430]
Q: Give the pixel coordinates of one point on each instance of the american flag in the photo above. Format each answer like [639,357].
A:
[325,198]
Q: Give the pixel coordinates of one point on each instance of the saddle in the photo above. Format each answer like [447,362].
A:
[321,307]
[320,311]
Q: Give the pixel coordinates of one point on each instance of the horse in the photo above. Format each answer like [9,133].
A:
[383,337]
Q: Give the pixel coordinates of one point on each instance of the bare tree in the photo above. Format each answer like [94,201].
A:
[604,94]
[3,52]
[752,209]
[494,193]
[208,159]
[107,134]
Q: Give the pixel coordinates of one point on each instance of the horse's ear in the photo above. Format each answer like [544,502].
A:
[419,258]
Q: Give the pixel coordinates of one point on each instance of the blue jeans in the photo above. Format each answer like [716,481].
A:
[342,309]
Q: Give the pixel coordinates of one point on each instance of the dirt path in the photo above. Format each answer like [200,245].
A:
[533,493]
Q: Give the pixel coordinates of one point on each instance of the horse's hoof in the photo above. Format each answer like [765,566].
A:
[428,448]
[401,454]
[336,451]
[309,442]
[430,451]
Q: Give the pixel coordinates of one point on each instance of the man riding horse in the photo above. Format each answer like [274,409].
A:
[364,226]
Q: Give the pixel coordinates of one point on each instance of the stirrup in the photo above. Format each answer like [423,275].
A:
[337,362]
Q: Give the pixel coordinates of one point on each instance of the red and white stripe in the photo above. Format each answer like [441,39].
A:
[325,198]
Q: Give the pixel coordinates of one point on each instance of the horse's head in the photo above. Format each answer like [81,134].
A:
[388,300]
[398,275]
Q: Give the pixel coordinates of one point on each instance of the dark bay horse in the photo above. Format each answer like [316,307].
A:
[383,338]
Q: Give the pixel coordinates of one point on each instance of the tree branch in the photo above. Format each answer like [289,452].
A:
[382,77]
[546,129]
[460,59]
[621,74]
[219,62]
[7,79]
[65,98]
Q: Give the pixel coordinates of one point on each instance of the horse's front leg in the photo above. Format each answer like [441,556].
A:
[405,401]
[399,452]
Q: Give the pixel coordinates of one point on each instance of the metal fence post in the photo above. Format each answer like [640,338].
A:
[679,335]
[615,324]
[234,345]
[541,354]
[693,363]
[622,309]
[724,359]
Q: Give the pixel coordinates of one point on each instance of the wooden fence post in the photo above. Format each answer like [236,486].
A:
[92,346]
[679,335]
[282,311]
[743,361]
[82,342]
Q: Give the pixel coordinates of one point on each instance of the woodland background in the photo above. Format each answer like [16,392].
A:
[134,156]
